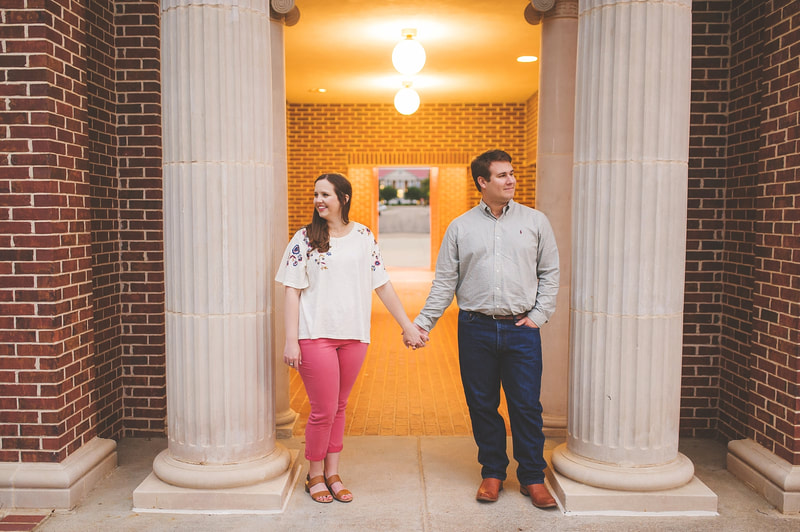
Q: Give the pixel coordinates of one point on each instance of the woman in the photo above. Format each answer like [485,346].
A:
[329,270]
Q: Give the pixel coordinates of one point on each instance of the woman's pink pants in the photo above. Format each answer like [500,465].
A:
[329,369]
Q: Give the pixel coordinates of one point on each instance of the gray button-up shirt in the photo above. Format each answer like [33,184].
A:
[496,266]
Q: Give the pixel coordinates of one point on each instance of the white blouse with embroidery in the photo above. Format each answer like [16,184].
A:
[336,286]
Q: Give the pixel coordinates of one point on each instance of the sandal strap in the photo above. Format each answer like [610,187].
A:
[319,479]
[333,479]
[320,495]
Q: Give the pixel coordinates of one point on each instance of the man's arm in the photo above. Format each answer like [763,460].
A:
[547,271]
[444,283]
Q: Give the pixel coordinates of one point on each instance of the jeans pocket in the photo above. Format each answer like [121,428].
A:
[467,317]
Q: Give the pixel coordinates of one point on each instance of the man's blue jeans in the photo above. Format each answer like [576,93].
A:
[492,352]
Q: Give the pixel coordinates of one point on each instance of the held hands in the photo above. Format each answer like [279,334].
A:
[415,337]
[291,354]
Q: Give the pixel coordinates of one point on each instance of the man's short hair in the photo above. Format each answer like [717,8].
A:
[480,164]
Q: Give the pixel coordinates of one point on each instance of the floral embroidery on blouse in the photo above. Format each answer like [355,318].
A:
[319,259]
[312,255]
[376,259]
[376,255]
[295,257]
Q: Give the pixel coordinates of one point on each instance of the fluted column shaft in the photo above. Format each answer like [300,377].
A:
[628,251]
[554,188]
[278,228]
[220,179]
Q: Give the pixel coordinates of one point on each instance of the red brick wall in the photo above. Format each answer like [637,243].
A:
[743,257]
[81,282]
[45,235]
[102,155]
[706,214]
[141,217]
[774,391]
[322,137]
[742,173]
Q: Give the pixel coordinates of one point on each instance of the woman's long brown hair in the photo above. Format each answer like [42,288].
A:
[317,230]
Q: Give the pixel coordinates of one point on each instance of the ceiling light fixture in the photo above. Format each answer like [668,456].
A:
[527,58]
[408,56]
[406,101]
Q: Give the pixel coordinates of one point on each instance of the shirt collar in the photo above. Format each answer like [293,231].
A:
[486,209]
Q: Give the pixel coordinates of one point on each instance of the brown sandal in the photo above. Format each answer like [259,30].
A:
[333,479]
[320,495]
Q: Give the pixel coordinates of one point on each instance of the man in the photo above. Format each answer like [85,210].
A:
[501,262]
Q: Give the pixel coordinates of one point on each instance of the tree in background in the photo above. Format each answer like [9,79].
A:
[425,187]
[414,194]
[388,192]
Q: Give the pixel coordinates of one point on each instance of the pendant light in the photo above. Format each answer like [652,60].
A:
[406,101]
[408,56]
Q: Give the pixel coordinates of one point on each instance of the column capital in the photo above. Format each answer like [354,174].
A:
[563,9]
[537,10]
[289,18]
[282,6]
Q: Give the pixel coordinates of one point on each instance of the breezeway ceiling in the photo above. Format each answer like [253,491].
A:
[345,47]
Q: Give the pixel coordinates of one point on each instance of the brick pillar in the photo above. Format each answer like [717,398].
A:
[450,188]
[220,179]
[51,455]
[628,253]
[765,200]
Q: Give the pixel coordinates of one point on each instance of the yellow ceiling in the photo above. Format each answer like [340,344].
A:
[345,46]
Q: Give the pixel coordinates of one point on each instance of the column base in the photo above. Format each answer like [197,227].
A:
[554,426]
[284,424]
[667,476]
[61,485]
[574,498]
[271,496]
[772,477]
[208,476]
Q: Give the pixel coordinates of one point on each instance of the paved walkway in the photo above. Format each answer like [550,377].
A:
[411,483]
[405,219]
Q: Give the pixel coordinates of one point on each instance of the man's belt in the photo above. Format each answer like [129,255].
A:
[515,317]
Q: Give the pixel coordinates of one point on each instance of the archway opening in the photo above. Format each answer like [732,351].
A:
[404,216]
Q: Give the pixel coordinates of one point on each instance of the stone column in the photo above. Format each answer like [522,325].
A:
[223,165]
[285,417]
[554,188]
[628,252]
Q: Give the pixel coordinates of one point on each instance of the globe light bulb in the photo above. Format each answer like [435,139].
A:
[408,56]
[406,101]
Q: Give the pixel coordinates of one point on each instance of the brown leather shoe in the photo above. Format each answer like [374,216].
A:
[540,496]
[489,490]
